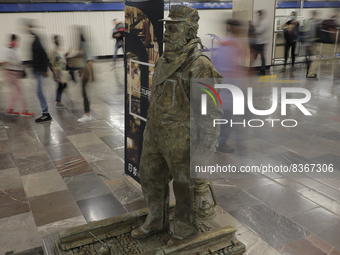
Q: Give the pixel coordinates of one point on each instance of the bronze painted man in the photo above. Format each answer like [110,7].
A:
[166,145]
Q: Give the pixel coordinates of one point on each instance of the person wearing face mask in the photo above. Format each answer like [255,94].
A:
[291,32]
[58,68]
[15,71]
[169,135]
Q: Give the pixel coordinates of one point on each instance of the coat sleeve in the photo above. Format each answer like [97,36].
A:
[203,77]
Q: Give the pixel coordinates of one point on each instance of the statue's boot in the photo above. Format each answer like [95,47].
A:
[141,232]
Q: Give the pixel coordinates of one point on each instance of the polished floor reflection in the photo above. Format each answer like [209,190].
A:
[61,174]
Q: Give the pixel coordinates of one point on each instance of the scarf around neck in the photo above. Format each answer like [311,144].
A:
[164,69]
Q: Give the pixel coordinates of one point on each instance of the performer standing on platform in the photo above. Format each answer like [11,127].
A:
[168,135]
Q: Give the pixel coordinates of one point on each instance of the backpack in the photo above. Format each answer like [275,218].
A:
[118,29]
[327,33]
[291,32]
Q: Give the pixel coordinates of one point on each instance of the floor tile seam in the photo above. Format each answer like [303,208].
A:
[75,202]
[328,196]
[281,186]
[27,198]
[114,150]
[323,207]
[71,162]
[67,170]
[312,244]
[311,232]
[321,193]
[311,209]
[259,234]
[135,189]
[310,188]
[62,130]
[332,246]
[296,180]
[92,196]
[235,185]
[262,202]
[260,241]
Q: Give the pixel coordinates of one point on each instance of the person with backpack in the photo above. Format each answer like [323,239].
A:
[291,32]
[58,68]
[326,33]
[118,34]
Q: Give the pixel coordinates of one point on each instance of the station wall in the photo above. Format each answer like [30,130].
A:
[99,24]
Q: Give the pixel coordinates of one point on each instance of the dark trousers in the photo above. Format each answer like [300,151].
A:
[84,82]
[61,87]
[291,45]
[225,129]
[259,49]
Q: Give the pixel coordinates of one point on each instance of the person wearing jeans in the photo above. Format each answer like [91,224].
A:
[87,76]
[39,77]
[40,64]
[117,46]
[118,34]
[58,68]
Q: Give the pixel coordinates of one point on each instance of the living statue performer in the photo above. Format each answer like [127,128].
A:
[166,145]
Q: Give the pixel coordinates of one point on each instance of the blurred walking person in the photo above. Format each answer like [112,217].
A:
[229,61]
[58,68]
[262,35]
[14,72]
[291,32]
[118,34]
[327,31]
[40,65]
[308,37]
[86,76]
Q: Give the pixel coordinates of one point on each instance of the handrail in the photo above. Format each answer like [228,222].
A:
[214,37]
[321,43]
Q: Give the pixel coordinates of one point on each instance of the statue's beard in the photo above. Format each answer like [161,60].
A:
[173,48]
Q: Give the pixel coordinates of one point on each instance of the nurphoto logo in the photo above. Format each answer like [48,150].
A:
[238,105]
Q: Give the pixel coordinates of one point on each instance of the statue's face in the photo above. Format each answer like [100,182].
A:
[174,36]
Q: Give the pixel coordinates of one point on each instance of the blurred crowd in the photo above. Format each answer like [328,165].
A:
[246,41]
[62,64]
[239,49]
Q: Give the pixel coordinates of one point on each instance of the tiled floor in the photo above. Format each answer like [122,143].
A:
[61,174]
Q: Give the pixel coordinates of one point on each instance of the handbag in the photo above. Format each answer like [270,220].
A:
[65,76]
[77,62]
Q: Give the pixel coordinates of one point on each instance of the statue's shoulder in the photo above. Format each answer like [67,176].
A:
[199,65]
[197,60]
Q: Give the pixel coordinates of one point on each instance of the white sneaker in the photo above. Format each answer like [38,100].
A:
[85,118]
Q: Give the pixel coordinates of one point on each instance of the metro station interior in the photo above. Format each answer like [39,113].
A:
[61,174]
